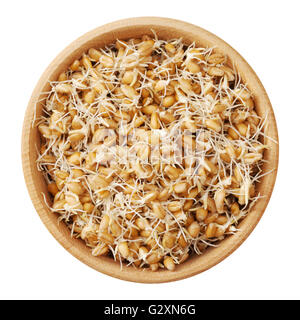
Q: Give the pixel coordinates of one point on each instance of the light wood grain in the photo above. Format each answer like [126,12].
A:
[165,29]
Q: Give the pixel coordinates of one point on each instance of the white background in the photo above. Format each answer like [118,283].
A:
[33,265]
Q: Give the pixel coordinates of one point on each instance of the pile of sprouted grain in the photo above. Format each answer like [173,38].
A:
[151,150]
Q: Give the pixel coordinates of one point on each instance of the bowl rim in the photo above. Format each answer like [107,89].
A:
[107,265]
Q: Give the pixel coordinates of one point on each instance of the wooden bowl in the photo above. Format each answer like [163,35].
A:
[165,29]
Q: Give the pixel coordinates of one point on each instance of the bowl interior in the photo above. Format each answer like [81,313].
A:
[164,29]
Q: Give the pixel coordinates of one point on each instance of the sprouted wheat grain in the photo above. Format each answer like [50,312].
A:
[151,150]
